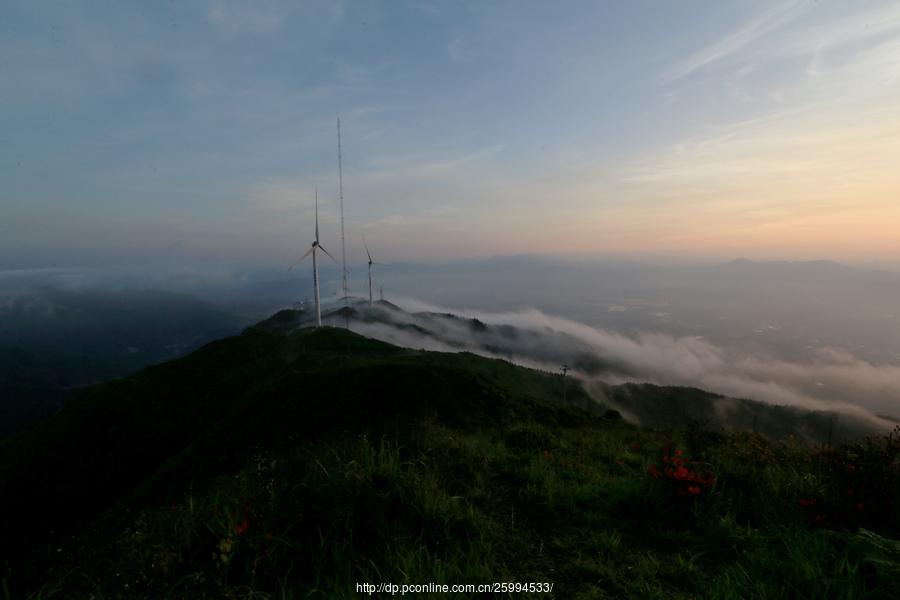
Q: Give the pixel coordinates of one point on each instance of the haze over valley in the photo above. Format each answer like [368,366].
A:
[576,299]
[819,335]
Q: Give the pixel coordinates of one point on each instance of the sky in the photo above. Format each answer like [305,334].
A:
[173,132]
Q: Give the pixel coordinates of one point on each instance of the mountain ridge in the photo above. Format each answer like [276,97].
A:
[301,459]
[542,348]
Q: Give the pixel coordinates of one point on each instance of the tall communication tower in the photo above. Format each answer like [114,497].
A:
[341,196]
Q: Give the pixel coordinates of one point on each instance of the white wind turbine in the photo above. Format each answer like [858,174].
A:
[315,246]
[371,262]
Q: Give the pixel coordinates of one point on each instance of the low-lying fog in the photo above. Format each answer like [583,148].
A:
[815,334]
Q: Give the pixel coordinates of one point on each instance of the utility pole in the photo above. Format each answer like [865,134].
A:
[564,369]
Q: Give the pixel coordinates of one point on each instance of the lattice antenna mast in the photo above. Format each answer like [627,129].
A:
[341,196]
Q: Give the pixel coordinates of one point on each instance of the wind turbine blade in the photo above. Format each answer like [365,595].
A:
[317,214]
[322,248]
[301,259]
[369,254]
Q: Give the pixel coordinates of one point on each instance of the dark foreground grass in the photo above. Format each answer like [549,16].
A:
[570,504]
[298,464]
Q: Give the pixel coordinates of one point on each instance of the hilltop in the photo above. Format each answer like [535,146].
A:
[547,349]
[296,462]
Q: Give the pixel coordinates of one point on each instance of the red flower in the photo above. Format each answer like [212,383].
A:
[242,526]
[693,490]
[806,501]
[654,472]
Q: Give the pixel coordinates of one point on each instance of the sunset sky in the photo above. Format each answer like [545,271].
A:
[172,131]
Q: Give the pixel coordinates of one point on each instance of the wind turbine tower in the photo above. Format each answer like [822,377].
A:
[316,246]
[371,262]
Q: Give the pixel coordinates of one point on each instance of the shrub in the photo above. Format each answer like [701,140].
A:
[527,438]
[862,483]
[681,476]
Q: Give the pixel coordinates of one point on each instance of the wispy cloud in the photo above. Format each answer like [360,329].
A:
[769,21]
[870,26]
[806,146]
[413,167]
[227,108]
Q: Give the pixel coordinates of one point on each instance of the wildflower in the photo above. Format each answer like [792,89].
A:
[224,548]
[678,470]
[242,527]
[806,501]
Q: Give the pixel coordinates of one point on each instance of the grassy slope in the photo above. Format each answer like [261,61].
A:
[273,465]
[647,404]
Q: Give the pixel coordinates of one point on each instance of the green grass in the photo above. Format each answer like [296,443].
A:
[335,460]
[472,507]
